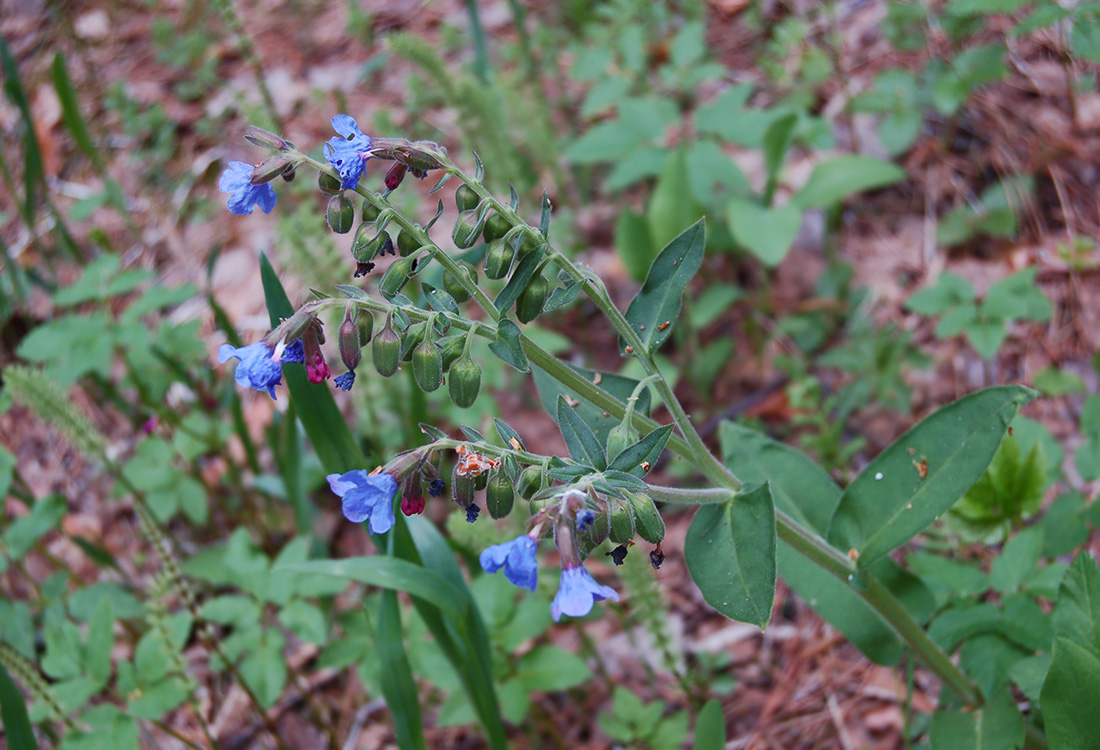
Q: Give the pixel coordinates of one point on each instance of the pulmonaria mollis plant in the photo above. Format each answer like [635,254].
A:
[763,508]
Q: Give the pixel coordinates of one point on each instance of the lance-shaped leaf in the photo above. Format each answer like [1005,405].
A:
[600,421]
[507,434]
[582,441]
[924,472]
[507,345]
[525,270]
[640,457]
[657,305]
[730,552]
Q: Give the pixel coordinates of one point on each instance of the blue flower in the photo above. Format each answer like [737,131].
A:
[585,518]
[578,592]
[257,368]
[366,496]
[244,196]
[472,511]
[349,152]
[435,489]
[345,381]
[294,354]
[517,557]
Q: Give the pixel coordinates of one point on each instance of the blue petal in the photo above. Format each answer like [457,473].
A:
[578,593]
[517,557]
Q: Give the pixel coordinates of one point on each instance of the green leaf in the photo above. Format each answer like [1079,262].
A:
[712,174]
[1054,382]
[1016,561]
[1010,489]
[834,180]
[1018,297]
[996,726]
[1077,616]
[765,232]
[655,308]
[646,450]
[100,642]
[950,290]
[507,345]
[583,444]
[26,530]
[1069,695]
[321,419]
[777,140]
[550,668]
[70,109]
[264,669]
[710,727]
[13,713]
[634,244]
[517,282]
[924,473]
[730,552]
[395,674]
[672,207]
[601,423]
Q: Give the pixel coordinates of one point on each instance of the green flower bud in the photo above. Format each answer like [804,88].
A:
[481,480]
[351,348]
[386,350]
[499,496]
[369,244]
[467,229]
[622,521]
[462,488]
[498,260]
[454,287]
[621,437]
[370,211]
[452,347]
[396,276]
[496,226]
[466,198]
[407,244]
[464,382]
[532,299]
[328,184]
[270,168]
[366,327]
[647,519]
[410,339]
[530,481]
[427,364]
[340,214]
[264,139]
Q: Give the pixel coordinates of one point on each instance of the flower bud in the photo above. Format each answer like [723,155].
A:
[366,246]
[481,480]
[467,229]
[496,226]
[462,488]
[466,198]
[351,350]
[498,260]
[366,327]
[291,329]
[370,212]
[499,496]
[394,175]
[427,364]
[464,382]
[386,350]
[532,299]
[453,285]
[270,168]
[340,214]
[452,348]
[530,482]
[260,137]
[328,184]
[621,437]
[407,244]
[412,499]
[418,159]
[396,276]
[647,519]
[622,521]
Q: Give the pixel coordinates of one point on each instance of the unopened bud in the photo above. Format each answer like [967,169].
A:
[467,229]
[260,137]
[270,168]
[370,211]
[369,244]
[340,214]
[462,488]
[621,437]
[464,382]
[647,519]
[499,495]
[622,521]
[351,350]
[394,175]
[498,260]
[291,329]
[455,287]
[532,299]
[466,198]
[386,350]
[420,160]
[328,184]
[427,364]
[366,327]
[496,226]
[452,348]
[530,482]
[407,244]
[396,276]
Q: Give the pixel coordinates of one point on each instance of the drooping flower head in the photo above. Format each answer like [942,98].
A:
[349,151]
[517,557]
[257,368]
[578,594]
[366,496]
[244,196]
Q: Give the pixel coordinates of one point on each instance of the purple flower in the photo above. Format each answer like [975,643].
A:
[585,519]
[578,592]
[349,152]
[294,354]
[435,489]
[257,368]
[244,196]
[517,557]
[345,381]
[472,511]
[366,496]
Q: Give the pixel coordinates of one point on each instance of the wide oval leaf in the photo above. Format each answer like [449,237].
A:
[730,551]
[834,180]
[924,472]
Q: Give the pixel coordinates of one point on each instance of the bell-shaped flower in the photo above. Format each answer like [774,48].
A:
[349,152]
[578,593]
[257,369]
[366,496]
[517,557]
[244,196]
